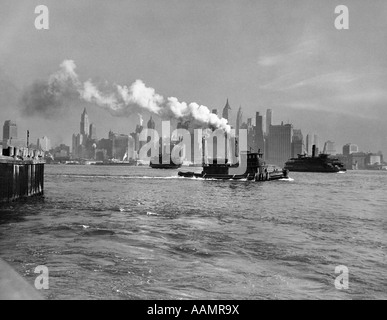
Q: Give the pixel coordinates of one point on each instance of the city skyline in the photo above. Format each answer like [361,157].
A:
[259,55]
[89,130]
[278,143]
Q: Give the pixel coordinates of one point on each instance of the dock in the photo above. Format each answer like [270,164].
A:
[21,176]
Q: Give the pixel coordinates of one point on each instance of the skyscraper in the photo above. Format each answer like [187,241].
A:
[151,124]
[329,148]
[151,136]
[316,143]
[227,112]
[239,120]
[297,143]
[280,144]
[309,144]
[269,115]
[250,134]
[85,123]
[93,132]
[44,144]
[258,139]
[9,133]
[350,148]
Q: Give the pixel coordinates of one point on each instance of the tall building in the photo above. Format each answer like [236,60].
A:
[316,143]
[350,148]
[85,123]
[259,143]
[309,144]
[9,133]
[151,124]
[227,112]
[120,146]
[74,146]
[93,132]
[269,115]
[329,148]
[250,134]
[280,144]
[297,143]
[239,121]
[44,144]
[151,136]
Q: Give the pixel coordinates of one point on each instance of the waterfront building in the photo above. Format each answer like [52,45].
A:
[9,133]
[350,148]
[92,132]
[373,159]
[280,144]
[104,149]
[44,144]
[120,145]
[358,160]
[297,143]
[259,143]
[269,115]
[329,148]
[61,153]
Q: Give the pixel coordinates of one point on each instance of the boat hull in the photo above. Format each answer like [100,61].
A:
[317,170]
[164,166]
[264,177]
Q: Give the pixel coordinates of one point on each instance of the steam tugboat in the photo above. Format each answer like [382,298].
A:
[255,170]
[320,163]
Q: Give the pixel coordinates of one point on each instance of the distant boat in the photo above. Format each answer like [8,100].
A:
[114,162]
[320,163]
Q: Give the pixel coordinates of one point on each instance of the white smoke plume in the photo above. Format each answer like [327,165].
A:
[141,119]
[48,98]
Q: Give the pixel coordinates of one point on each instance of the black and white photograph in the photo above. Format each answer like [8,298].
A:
[210,152]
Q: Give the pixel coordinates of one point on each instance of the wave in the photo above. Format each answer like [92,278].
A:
[287,179]
[115,177]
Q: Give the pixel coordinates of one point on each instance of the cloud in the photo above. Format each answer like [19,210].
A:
[299,52]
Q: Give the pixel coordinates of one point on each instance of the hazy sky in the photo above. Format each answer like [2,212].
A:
[284,55]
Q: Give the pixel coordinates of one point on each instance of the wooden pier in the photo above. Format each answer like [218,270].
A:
[20,178]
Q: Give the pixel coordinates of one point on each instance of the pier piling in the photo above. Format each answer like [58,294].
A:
[20,178]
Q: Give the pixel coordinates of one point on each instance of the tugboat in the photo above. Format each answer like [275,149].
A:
[255,170]
[320,163]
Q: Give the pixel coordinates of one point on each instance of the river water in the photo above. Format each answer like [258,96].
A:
[141,233]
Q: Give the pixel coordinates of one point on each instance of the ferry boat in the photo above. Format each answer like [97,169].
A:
[320,163]
[256,170]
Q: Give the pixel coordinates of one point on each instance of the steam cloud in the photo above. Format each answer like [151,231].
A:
[63,87]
